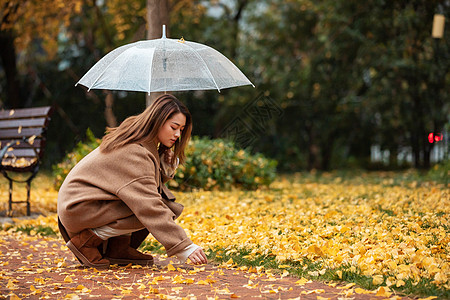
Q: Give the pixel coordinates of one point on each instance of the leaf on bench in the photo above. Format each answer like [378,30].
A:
[11,112]
[19,130]
[19,163]
[31,139]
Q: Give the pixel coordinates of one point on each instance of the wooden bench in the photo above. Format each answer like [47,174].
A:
[22,144]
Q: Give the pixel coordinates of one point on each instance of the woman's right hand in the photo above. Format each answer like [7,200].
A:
[198,257]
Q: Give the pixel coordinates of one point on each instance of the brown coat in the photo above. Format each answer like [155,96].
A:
[122,189]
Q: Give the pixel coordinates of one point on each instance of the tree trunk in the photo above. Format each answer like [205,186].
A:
[8,57]
[111,120]
[235,25]
[157,16]
[415,148]
[326,153]
[393,157]
[313,149]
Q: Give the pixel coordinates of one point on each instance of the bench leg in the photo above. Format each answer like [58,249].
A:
[10,202]
[28,182]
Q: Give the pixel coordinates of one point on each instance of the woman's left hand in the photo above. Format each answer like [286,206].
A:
[198,257]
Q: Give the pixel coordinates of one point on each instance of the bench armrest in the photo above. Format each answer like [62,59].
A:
[4,150]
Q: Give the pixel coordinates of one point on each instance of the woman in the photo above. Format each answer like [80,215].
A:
[115,196]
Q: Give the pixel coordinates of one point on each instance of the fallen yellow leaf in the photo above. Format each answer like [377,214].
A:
[383,291]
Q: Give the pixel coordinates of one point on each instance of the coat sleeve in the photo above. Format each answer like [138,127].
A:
[142,197]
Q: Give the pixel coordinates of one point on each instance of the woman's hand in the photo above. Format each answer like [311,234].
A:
[198,257]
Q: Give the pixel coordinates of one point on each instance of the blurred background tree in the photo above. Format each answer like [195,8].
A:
[346,75]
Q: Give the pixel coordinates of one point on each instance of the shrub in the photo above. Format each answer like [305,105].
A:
[440,172]
[210,164]
[217,164]
[61,169]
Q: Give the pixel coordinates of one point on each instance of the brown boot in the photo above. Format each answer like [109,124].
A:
[119,252]
[138,237]
[84,246]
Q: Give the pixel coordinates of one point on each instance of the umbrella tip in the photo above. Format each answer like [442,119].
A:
[164,31]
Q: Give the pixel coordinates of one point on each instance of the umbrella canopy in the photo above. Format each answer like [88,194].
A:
[162,65]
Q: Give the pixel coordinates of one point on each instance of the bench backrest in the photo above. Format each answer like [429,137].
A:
[19,124]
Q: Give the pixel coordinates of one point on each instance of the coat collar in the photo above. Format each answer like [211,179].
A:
[151,146]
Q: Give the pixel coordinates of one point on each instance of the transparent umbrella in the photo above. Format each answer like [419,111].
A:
[163,65]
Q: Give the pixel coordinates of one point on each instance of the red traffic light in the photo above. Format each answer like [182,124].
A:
[432,137]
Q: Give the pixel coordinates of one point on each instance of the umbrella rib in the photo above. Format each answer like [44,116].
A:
[207,68]
[150,72]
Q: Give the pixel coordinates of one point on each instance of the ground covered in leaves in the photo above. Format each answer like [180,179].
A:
[383,232]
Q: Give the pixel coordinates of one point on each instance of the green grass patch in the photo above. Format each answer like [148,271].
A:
[36,230]
[152,246]
[315,271]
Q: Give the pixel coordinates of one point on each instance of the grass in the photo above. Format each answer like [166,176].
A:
[37,230]
[309,269]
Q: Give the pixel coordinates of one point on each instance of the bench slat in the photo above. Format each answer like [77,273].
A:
[25,113]
[38,122]
[37,143]
[25,132]
[22,153]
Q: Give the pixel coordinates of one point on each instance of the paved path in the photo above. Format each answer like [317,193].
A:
[43,268]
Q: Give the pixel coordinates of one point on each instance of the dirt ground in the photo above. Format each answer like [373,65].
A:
[44,268]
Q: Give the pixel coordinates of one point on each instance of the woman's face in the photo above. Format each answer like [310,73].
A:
[171,130]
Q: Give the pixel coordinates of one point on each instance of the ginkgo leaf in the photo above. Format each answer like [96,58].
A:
[378,279]
[316,291]
[283,266]
[346,287]
[11,285]
[13,296]
[383,292]
[302,281]
[362,291]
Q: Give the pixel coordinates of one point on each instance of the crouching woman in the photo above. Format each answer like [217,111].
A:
[115,196]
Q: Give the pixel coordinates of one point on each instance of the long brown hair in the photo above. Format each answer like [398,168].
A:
[145,126]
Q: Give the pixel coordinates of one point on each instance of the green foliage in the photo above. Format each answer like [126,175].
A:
[213,164]
[63,168]
[210,164]
[348,74]
[440,172]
